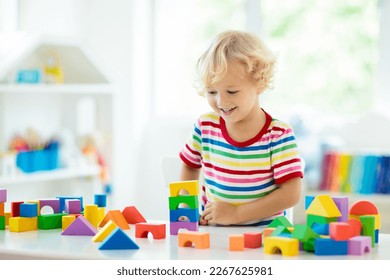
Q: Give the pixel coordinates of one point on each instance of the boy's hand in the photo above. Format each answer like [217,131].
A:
[221,213]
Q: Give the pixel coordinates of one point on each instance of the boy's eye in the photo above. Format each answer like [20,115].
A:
[212,92]
[232,91]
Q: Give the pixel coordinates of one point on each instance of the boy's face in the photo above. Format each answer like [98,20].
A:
[235,96]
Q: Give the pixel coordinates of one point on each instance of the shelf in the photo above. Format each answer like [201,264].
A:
[77,89]
[59,174]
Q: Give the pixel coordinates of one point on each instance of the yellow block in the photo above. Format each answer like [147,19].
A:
[104,231]
[7,215]
[324,206]
[101,213]
[91,213]
[20,224]
[67,220]
[287,246]
[190,186]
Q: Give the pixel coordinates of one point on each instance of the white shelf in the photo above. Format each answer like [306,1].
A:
[58,174]
[78,89]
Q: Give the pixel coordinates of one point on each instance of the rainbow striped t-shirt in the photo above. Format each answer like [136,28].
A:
[240,172]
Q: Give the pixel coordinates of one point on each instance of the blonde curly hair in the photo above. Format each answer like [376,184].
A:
[236,46]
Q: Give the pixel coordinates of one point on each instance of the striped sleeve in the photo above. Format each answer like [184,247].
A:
[285,159]
[191,153]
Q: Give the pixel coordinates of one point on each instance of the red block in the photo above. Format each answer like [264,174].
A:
[339,231]
[363,207]
[132,215]
[356,227]
[142,230]
[252,240]
[15,208]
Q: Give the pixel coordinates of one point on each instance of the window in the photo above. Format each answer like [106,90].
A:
[327,51]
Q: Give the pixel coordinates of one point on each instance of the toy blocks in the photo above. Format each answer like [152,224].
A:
[157,230]
[104,231]
[253,240]
[191,187]
[358,245]
[3,195]
[118,240]
[236,242]
[52,203]
[328,246]
[80,226]
[91,214]
[182,217]
[201,240]
[20,224]
[50,221]
[287,246]
[117,217]
[132,215]
[100,200]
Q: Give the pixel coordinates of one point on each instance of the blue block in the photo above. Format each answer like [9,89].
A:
[321,229]
[308,200]
[328,247]
[191,214]
[100,200]
[28,210]
[118,240]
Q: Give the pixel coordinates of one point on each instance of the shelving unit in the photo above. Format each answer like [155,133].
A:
[81,105]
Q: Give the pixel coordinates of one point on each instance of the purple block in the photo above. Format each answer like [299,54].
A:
[3,195]
[73,206]
[175,226]
[80,226]
[358,245]
[53,203]
[342,204]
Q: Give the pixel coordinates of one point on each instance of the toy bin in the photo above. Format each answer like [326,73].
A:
[38,160]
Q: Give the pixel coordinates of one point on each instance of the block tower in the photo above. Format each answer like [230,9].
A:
[183,208]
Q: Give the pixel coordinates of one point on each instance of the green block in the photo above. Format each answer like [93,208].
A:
[190,200]
[280,221]
[281,231]
[314,219]
[2,222]
[50,221]
[368,227]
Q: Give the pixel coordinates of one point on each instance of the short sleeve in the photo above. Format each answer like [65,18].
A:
[191,153]
[285,159]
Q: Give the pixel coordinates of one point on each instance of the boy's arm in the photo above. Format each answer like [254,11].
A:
[189,173]
[286,196]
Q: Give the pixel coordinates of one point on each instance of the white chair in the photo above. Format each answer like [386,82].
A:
[171,166]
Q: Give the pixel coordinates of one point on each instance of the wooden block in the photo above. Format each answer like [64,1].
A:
[50,221]
[157,230]
[132,215]
[80,226]
[176,226]
[28,210]
[104,231]
[363,207]
[118,240]
[117,217]
[340,231]
[253,240]
[236,242]
[91,214]
[67,220]
[21,224]
[52,203]
[324,206]
[191,187]
[3,195]
[284,245]
[328,246]
[201,240]
[358,245]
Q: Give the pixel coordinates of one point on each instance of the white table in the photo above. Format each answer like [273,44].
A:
[50,244]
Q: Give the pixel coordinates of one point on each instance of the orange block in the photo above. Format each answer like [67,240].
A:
[117,217]
[201,240]
[363,207]
[267,232]
[1,208]
[236,242]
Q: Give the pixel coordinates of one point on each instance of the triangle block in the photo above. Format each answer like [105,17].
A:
[104,231]
[117,217]
[132,215]
[80,226]
[280,221]
[324,206]
[118,240]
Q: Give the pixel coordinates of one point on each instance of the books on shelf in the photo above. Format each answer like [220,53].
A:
[355,173]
